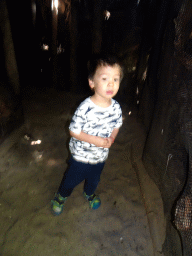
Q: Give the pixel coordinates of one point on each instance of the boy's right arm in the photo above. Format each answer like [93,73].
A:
[96,140]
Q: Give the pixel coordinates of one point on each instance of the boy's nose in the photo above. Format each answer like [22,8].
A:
[111,83]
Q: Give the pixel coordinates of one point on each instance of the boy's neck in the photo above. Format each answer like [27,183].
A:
[101,102]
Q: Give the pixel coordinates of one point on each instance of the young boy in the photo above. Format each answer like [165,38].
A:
[93,130]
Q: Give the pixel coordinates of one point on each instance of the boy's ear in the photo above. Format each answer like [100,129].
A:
[91,83]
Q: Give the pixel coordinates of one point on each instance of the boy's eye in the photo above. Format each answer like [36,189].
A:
[116,79]
[104,78]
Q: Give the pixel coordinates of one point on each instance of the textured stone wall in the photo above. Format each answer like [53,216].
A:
[166,112]
[8,49]
[11,115]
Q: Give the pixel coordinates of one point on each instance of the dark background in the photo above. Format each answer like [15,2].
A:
[150,36]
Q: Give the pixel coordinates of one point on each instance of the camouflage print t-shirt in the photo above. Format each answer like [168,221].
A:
[97,121]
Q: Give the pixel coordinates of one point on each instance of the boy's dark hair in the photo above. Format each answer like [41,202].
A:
[102,60]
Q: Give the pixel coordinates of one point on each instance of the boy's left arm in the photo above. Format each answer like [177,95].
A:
[114,134]
[119,124]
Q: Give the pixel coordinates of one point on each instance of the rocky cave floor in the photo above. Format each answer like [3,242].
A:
[30,176]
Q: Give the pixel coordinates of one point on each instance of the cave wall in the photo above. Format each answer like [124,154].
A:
[11,114]
[165,110]
[8,59]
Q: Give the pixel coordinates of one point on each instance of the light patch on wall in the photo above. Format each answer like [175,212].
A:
[54,5]
[107,15]
[35,142]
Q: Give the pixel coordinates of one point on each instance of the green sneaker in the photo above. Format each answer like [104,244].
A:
[94,201]
[58,204]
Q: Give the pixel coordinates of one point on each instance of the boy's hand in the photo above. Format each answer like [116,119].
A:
[96,140]
[103,142]
[109,142]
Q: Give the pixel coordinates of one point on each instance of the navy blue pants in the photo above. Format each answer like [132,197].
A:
[78,172]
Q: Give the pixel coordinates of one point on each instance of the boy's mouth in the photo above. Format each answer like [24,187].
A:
[109,92]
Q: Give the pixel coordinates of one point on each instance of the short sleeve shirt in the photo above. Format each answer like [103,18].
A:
[93,120]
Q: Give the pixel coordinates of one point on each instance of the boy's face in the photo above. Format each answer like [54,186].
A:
[106,81]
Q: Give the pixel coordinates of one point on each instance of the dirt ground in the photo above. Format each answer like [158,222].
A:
[30,176]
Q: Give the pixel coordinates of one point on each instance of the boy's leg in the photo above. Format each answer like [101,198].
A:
[73,176]
[91,182]
[92,178]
